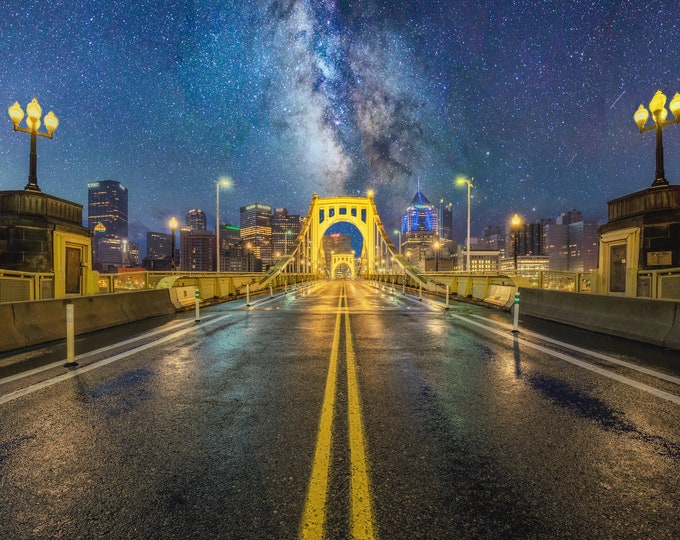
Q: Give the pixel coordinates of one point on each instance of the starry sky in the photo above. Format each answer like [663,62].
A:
[534,99]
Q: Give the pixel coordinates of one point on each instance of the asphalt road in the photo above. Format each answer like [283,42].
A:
[341,410]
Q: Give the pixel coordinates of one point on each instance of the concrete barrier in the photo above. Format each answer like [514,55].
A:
[40,321]
[500,295]
[650,321]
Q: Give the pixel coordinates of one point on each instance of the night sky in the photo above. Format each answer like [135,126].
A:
[289,98]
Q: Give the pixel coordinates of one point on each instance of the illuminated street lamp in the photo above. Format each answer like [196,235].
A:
[515,222]
[436,256]
[34,111]
[460,181]
[225,182]
[659,113]
[173,225]
[398,231]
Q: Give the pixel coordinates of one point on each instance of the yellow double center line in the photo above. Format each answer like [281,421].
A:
[361,515]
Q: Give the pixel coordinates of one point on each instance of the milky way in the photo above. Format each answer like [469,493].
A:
[289,98]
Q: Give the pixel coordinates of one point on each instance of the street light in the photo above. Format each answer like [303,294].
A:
[16,113]
[659,113]
[515,222]
[173,225]
[436,256]
[225,181]
[460,181]
[398,231]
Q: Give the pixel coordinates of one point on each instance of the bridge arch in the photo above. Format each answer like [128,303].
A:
[342,265]
[377,251]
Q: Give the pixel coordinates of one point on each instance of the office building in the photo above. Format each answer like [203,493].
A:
[107,218]
[419,230]
[285,230]
[197,250]
[107,203]
[445,220]
[230,238]
[571,243]
[256,231]
[196,220]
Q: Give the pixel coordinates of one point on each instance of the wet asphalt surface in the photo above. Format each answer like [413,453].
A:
[177,429]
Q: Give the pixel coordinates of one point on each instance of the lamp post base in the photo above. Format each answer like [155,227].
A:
[660,182]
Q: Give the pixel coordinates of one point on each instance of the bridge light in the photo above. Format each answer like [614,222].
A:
[34,112]
[657,107]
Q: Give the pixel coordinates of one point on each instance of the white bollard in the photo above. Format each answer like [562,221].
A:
[515,315]
[447,297]
[197,301]
[271,290]
[70,337]
[248,294]
[403,287]
[420,292]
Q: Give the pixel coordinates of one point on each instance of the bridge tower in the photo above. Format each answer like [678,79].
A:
[378,252]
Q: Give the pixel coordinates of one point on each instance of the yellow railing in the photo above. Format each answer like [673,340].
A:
[18,286]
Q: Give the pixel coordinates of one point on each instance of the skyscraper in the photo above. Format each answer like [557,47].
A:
[196,220]
[285,229]
[107,217]
[420,231]
[107,203]
[197,250]
[256,230]
[420,216]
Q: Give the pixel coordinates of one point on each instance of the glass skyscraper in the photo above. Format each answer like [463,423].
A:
[256,231]
[107,218]
[107,203]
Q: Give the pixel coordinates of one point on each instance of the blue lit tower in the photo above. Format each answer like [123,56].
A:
[419,229]
[420,216]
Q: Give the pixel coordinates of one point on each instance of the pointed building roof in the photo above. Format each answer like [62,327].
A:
[420,199]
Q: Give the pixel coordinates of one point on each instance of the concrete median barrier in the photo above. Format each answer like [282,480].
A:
[650,321]
[31,323]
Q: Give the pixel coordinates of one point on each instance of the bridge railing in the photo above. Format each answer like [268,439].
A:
[659,284]
[16,286]
[209,284]
[493,288]
[25,286]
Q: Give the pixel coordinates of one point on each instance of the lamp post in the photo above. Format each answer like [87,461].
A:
[398,231]
[659,113]
[34,111]
[436,256]
[515,222]
[173,225]
[460,181]
[226,182]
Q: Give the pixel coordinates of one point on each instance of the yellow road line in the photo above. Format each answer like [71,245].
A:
[361,514]
[314,515]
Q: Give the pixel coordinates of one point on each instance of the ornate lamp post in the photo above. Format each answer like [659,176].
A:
[659,113]
[225,182]
[34,111]
[515,222]
[173,225]
[460,181]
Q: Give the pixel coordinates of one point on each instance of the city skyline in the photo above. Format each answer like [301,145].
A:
[535,102]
